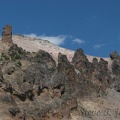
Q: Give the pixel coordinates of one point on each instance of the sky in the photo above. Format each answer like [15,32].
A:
[93,25]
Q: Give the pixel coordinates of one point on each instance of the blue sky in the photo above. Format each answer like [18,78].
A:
[93,25]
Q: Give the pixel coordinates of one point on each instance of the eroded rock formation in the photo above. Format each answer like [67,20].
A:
[7,34]
[34,87]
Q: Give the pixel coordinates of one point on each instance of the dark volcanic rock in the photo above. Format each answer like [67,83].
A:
[67,69]
[14,110]
[116,66]
[116,71]
[79,55]
[117,83]
[103,64]
[95,61]
[1,76]
[16,52]
[114,55]
[34,87]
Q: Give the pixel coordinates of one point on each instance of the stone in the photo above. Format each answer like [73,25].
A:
[103,64]
[34,87]
[95,61]
[116,67]
[10,70]
[114,55]
[67,69]
[7,34]
[14,110]
[116,83]
[79,55]
[1,76]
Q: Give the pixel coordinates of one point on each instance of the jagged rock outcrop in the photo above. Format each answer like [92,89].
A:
[116,70]
[34,87]
[79,55]
[114,55]
[7,34]
[34,78]
[93,77]
[65,68]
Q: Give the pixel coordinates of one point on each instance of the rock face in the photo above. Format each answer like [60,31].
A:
[34,87]
[7,34]
[79,55]
[114,55]
[116,70]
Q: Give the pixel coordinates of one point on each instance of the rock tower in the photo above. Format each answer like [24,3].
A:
[7,34]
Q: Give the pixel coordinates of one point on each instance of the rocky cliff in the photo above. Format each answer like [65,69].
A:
[35,86]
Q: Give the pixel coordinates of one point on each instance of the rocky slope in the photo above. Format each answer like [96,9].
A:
[41,81]
[34,44]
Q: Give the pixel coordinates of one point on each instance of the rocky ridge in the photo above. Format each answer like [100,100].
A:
[33,86]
